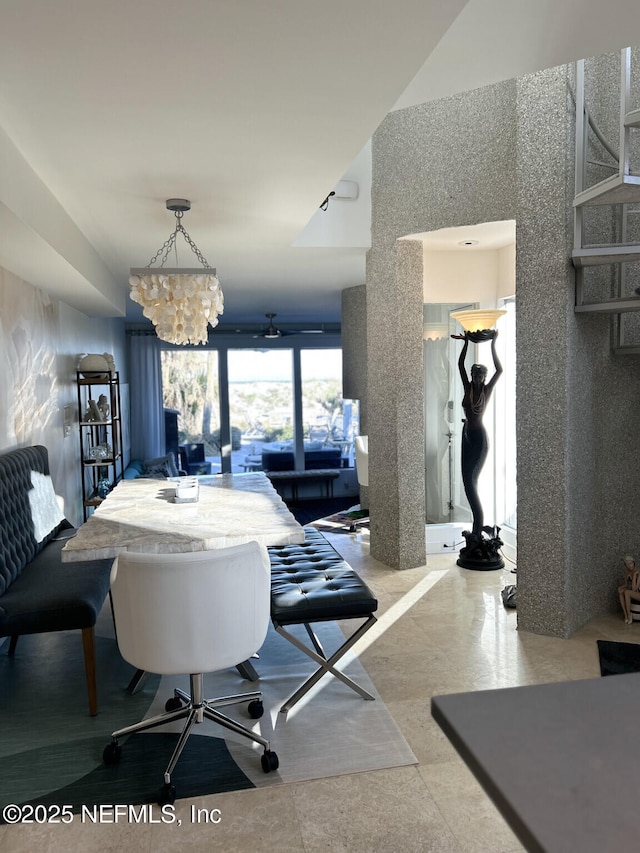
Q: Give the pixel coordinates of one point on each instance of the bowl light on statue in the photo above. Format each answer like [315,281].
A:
[478,322]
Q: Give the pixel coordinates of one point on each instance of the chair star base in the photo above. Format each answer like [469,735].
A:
[195,710]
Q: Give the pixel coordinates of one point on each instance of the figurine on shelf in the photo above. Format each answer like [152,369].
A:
[93,413]
[630,590]
[99,451]
[103,407]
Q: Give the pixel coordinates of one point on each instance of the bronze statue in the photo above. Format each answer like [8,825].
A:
[481,552]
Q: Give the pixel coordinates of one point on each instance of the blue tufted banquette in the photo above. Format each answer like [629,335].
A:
[38,592]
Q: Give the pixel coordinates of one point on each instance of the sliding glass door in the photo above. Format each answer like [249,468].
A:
[260,405]
[445,498]
[239,402]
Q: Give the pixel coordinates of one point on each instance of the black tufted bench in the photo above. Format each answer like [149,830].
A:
[38,592]
[313,583]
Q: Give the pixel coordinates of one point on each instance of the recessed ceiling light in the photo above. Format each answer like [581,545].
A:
[468,243]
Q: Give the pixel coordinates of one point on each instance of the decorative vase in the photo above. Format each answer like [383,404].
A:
[103,488]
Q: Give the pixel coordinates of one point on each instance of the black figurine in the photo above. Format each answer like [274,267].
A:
[480,552]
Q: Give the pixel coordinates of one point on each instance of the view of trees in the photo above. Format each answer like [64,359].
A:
[260,407]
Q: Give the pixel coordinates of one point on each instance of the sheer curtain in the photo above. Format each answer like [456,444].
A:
[147,414]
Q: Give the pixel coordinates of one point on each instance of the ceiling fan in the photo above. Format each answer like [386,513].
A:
[272,331]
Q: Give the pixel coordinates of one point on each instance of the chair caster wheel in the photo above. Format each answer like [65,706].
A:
[167,795]
[112,753]
[255,709]
[173,704]
[269,761]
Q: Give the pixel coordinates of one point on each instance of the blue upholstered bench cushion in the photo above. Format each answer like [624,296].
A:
[49,595]
[311,582]
[38,592]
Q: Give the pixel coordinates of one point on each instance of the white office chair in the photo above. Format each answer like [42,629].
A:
[192,613]
[361,445]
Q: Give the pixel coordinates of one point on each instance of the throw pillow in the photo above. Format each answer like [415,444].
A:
[163,466]
[45,510]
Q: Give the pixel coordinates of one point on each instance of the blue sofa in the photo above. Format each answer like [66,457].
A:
[38,592]
[314,459]
[157,469]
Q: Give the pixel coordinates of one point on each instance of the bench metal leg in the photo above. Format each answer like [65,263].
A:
[137,681]
[325,664]
[247,670]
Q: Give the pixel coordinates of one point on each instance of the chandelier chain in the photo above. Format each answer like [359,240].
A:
[169,243]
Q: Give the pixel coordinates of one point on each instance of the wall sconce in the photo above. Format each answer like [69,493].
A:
[344,190]
[435,331]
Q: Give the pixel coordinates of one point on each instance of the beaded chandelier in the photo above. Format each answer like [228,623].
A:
[181,303]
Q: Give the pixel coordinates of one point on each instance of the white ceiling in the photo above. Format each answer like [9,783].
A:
[252,110]
[486,236]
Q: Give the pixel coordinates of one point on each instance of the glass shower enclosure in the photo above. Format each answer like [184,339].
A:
[445,501]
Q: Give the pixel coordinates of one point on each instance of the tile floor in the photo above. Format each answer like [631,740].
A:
[441,629]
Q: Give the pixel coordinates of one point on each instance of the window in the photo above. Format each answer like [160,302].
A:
[260,404]
[505,422]
[328,420]
[239,401]
[190,387]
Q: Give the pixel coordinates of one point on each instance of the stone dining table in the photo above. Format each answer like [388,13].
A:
[141,515]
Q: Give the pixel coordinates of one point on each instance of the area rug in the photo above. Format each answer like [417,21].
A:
[51,750]
[618,658]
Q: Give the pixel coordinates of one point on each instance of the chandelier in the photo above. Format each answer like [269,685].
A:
[181,303]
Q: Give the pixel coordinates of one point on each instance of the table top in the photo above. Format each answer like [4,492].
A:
[140,515]
[558,760]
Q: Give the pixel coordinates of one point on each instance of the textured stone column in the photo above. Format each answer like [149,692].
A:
[396,405]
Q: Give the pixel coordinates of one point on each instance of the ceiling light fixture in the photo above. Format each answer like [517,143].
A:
[467,243]
[180,302]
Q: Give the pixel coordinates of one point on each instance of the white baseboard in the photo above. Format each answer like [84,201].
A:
[445,538]
[510,548]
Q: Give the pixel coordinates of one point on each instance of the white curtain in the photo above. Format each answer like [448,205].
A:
[147,413]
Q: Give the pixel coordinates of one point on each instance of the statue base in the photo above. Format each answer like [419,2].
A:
[482,551]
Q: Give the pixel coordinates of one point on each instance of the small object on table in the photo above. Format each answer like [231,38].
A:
[187,490]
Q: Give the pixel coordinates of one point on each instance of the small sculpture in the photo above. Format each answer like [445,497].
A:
[103,407]
[630,590]
[93,413]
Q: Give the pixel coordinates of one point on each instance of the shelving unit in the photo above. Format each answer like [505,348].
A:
[100,437]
